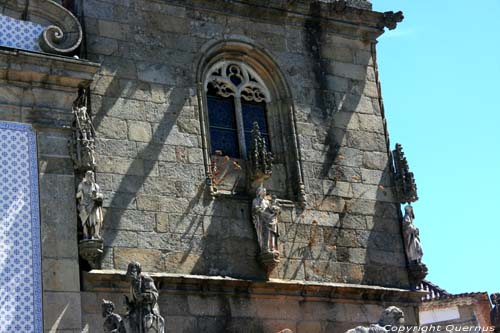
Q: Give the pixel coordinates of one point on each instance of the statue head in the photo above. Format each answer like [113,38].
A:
[107,308]
[134,270]
[495,298]
[409,211]
[261,191]
[392,316]
[89,176]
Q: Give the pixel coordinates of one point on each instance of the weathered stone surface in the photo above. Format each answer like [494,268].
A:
[139,131]
[62,310]
[60,274]
[110,128]
[150,259]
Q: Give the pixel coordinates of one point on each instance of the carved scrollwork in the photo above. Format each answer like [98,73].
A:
[62,34]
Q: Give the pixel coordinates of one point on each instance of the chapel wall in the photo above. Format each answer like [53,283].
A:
[150,161]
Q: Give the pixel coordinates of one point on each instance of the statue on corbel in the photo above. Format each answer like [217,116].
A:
[406,192]
[265,208]
[88,195]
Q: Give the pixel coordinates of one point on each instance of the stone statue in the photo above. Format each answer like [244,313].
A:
[113,323]
[143,311]
[391,317]
[495,311]
[265,215]
[83,146]
[411,236]
[90,200]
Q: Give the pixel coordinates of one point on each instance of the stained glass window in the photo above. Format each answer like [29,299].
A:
[254,112]
[223,130]
[236,98]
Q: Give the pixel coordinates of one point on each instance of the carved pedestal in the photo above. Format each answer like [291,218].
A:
[417,271]
[269,261]
[91,250]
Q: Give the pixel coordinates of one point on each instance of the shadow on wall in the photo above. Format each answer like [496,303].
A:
[144,163]
[229,244]
[385,253]
[331,127]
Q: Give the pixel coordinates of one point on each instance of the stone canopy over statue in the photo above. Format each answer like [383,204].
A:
[265,209]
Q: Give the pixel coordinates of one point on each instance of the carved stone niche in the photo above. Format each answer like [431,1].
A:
[62,34]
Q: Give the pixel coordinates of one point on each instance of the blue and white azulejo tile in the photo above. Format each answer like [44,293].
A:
[20,261]
[19,34]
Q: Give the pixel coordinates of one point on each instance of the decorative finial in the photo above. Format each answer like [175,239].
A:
[406,187]
[261,158]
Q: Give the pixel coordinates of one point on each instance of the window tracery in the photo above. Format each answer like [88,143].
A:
[237,99]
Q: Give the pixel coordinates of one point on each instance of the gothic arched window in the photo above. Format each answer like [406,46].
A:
[236,98]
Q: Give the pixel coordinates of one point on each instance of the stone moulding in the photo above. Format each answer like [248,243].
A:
[62,34]
[31,67]
[116,281]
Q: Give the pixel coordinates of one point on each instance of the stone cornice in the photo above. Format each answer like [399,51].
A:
[351,18]
[62,34]
[23,66]
[115,281]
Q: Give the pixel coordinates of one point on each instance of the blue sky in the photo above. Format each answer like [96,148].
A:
[440,75]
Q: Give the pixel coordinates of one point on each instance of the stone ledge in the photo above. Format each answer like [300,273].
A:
[24,66]
[169,283]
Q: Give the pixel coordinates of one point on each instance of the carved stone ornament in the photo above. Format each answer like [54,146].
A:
[391,318]
[91,251]
[113,323]
[417,270]
[406,188]
[261,159]
[142,303]
[90,199]
[82,147]
[62,33]
[265,213]
[495,311]
[391,19]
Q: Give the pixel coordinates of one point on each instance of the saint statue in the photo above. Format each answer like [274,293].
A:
[113,323]
[411,237]
[265,214]
[90,198]
[143,310]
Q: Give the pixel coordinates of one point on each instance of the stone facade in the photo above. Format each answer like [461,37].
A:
[150,160]
[340,238]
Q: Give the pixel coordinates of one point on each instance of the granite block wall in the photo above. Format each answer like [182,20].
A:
[150,157]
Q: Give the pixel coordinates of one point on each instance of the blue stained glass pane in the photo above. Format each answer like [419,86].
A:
[224,140]
[254,112]
[221,112]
